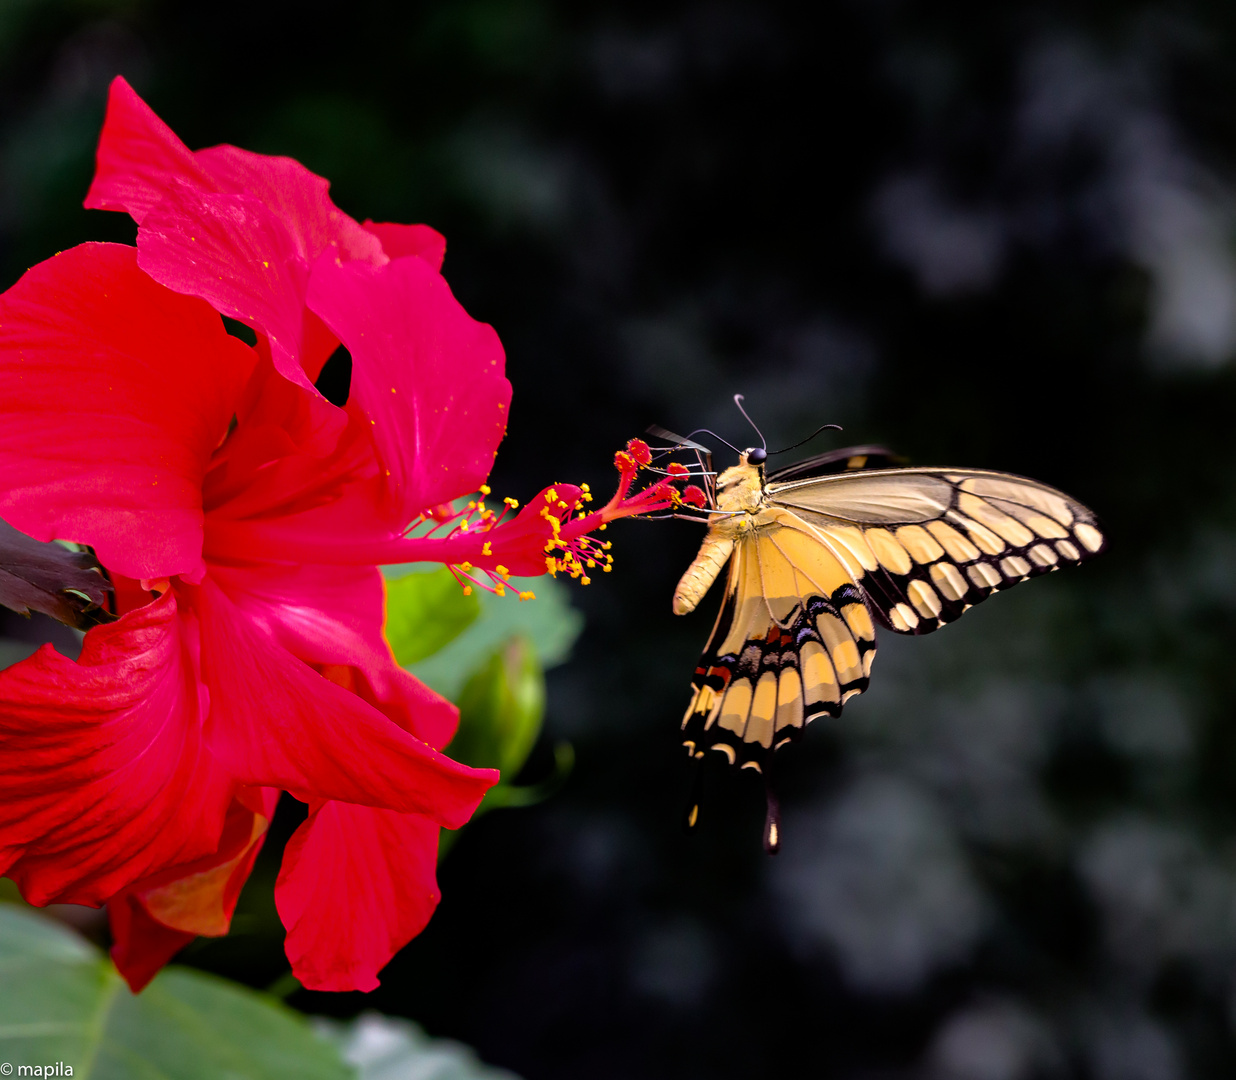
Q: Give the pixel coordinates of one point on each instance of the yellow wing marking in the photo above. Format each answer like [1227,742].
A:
[736,707]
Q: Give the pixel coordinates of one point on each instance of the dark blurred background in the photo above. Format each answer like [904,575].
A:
[997,235]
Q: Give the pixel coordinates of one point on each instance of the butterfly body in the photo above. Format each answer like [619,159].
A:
[816,560]
[742,506]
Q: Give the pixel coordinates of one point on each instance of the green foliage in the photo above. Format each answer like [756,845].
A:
[382,1048]
[501,708]
[493,672]
[425,613]
[549,621]
[62,1001]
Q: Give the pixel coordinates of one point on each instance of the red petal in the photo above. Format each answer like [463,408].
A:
[297,196]
[317,344]
[235,253]
[331,616]
[113,394]
[106,779]
[159,915]
[401,241]
[290,452]
[138,156]
[142,945]
[357,885]
[139,160]
[275,722]
[426,375]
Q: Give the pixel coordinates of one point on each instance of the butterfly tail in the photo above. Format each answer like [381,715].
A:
[692,815]
[772,817]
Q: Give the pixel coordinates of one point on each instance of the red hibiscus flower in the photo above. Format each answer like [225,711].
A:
[241,517]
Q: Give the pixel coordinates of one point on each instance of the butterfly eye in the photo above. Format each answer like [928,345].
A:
[757,456]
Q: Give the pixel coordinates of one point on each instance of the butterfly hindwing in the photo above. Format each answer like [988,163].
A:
[927,544]
[793,641]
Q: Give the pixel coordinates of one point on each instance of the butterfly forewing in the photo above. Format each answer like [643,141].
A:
[931,543]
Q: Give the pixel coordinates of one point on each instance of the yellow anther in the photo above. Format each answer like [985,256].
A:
[467,590]
[465,567]
[471,506]
[527,596]
[499,590]
[512,503]
[607,568]
[487,548]
[502,570]
[551,496]
[584,488]
[485,489]
[586,580]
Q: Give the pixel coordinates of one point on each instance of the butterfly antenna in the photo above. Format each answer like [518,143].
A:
[738,400]
[823,427]
[705,431]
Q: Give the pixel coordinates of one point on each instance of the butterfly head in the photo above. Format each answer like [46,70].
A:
[754,455]
[741,487]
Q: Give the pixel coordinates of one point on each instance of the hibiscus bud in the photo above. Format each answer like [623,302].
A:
[501,708]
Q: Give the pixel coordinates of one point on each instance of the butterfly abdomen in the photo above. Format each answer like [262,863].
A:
[713,555]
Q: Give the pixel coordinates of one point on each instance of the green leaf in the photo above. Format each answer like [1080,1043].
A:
[549,620]
[382,1048]
[425,613]
[503,795]
[501,708]
[62,1001]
